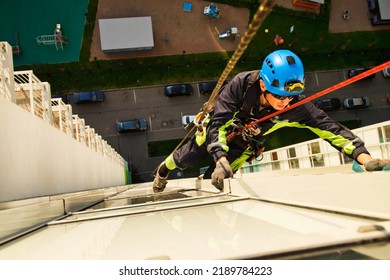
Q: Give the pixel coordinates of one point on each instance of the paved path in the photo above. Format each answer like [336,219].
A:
[358,10]
[359,17]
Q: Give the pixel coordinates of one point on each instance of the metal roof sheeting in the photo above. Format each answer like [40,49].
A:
[126,34]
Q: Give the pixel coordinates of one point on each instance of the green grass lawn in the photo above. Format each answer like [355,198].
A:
[310,39]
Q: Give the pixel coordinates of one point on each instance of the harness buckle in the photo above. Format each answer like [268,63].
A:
[201,120]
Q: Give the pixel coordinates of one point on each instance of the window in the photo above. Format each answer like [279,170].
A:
[344,159]
[316,158]
[384,133]
[275,162]
[293,162]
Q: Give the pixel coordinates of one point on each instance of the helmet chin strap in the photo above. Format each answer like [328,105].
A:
[265,97]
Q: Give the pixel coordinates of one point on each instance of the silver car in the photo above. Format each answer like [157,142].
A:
[356,102]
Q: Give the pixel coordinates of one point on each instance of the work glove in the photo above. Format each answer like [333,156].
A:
[221,171]
[376,164]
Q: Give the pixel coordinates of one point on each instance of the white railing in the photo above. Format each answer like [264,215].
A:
[79,128]
[33,95]
[6,72]
[318,153]
[62,116]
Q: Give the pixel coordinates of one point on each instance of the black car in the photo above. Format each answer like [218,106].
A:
[328,104]
[357,71]
[178,90]
[208,87]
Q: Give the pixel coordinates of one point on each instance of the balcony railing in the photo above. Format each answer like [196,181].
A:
[33,95]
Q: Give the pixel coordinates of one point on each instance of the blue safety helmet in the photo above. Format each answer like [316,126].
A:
[282,73]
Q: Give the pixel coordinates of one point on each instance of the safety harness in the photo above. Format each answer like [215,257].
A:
[245,116]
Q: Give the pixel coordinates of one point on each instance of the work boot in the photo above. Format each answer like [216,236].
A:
[377,164]
[160,178]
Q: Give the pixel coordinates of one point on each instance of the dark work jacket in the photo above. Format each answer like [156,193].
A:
[230,102]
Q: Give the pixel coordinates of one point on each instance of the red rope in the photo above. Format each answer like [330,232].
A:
[314,96]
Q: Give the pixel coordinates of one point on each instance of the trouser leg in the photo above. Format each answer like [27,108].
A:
[188,155]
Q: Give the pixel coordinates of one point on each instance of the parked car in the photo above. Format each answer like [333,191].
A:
[356,102]
[328,104]
[131,125]
[88,96]
[178,90]
[357,71]
[386,72]
[187,119]
[208,87]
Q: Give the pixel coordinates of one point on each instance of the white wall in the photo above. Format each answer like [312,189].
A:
[36,159]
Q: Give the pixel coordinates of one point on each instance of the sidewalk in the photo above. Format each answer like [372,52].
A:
[359,19]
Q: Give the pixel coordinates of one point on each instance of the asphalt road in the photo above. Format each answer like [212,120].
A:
[164,114]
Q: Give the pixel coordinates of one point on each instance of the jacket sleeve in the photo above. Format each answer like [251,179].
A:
[337,135]
[228,104]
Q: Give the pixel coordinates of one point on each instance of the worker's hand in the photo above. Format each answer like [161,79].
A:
[376,164]
[221,171]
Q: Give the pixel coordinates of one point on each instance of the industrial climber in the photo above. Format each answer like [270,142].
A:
[250,96]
